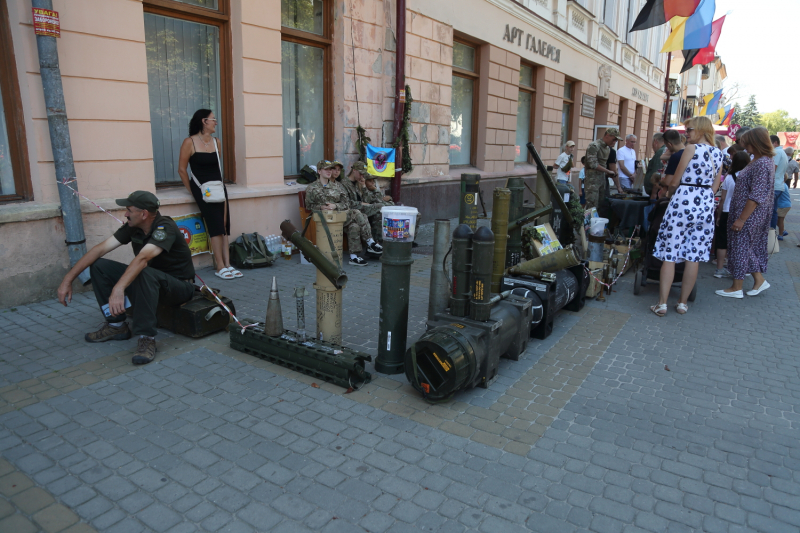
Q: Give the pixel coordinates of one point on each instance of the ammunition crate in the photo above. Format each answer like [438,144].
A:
[189,319]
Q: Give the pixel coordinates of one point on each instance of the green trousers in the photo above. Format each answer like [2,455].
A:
[149,288]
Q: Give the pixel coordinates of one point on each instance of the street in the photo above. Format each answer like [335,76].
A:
[620,421]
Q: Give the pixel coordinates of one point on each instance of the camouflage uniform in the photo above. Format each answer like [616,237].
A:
[596,181]
[356,227]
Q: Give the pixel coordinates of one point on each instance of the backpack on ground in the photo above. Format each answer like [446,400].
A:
[250,251]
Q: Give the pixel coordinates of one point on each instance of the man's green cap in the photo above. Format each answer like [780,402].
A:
[337,164]
[141,199]
[323,164]
[359,166]
[614,132]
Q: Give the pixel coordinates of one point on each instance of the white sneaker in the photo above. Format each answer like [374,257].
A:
[734,294]
[755,292]
[722,273]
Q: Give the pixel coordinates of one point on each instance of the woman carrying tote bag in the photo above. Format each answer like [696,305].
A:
[200,170]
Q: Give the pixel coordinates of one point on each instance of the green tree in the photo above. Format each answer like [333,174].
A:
[778,121]
[748,116]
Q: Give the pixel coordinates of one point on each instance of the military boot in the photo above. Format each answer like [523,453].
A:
[107,332]
[145,351]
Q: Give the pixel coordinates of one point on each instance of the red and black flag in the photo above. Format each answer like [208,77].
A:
[657,12]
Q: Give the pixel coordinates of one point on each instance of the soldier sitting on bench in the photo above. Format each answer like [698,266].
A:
[161,271]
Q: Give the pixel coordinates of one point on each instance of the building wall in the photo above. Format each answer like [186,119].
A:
[104,72]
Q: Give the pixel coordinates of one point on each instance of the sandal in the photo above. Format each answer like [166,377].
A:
[236,273]
[224,274]
[681,309]
[659,309]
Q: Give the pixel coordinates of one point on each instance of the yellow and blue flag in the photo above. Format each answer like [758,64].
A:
[380,161]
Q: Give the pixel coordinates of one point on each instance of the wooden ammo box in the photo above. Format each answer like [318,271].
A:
[190,320]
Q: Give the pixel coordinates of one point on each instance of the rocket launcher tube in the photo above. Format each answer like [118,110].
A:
[334,274]
[521,221]
[502,197]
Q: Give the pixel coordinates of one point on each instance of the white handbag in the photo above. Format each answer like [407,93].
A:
[213,192]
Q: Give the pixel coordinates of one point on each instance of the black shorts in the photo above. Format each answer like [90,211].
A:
[721,232]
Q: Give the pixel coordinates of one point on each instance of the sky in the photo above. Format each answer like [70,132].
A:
[757,47]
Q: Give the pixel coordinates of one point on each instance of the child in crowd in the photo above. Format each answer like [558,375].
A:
[675,144]
[738,162]
[784,205]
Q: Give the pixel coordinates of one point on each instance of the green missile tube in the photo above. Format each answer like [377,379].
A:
[502,197]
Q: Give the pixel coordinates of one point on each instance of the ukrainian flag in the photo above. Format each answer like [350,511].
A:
[380,161]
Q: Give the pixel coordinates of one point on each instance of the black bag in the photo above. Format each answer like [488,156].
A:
[307,175]
[250,251]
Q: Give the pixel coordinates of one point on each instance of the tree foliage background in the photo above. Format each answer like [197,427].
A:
[774,121]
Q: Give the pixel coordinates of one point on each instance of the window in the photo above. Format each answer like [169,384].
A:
[305,94]
[610,14]
[462,107]
[525,107]
[187,70]
[566,112]
[14,169]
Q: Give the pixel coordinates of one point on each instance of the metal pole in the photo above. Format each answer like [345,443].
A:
[393,325]
[61,145]
[399,85]
[439,292]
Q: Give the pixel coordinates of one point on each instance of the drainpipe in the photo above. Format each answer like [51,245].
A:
[60,142]
[399,85]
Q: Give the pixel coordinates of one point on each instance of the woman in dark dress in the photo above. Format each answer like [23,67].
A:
[749,217]
[200,155]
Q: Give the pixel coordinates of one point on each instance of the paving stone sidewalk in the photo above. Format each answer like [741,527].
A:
[619,422]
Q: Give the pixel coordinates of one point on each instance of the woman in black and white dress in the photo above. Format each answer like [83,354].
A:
[687,229]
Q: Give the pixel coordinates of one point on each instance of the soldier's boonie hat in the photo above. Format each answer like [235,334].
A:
[141,199]
[360,166]
[614,132]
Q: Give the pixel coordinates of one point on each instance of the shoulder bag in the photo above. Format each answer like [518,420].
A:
[213,192]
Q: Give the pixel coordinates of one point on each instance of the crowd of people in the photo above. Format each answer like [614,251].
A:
[716,195]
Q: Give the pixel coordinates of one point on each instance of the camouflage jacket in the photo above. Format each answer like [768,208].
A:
[597,154]
[318,195]
[354,192]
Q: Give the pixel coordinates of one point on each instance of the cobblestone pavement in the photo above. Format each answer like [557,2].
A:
[619,422]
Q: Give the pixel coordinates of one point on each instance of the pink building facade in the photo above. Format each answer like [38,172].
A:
[290,80]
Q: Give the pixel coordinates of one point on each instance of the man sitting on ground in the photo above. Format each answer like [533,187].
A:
[161,271]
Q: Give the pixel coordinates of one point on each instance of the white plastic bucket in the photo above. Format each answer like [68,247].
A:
[598,226]
[399,222]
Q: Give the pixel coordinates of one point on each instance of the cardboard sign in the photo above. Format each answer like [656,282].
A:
[45,22]
[545,241]
[194,232]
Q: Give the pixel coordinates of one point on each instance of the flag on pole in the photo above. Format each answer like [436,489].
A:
[728,117]
[657,12]
[703,56]
[380,161]
[722,112]
[706,100]
[712,103]
[691,32]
